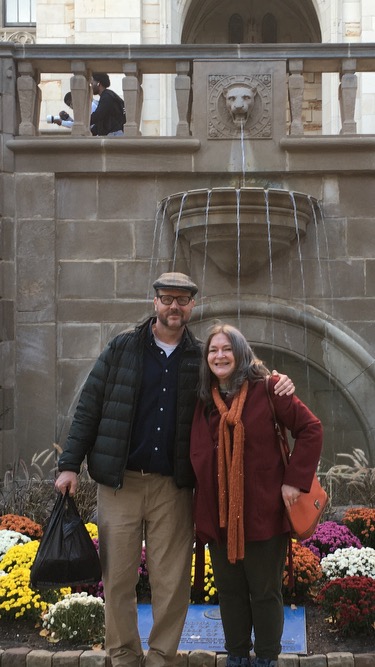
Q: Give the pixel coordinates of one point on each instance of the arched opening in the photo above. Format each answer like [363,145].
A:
[261,21]
[269,29]
[236,29]
[333,374]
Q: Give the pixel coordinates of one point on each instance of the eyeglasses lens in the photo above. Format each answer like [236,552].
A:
[167,300]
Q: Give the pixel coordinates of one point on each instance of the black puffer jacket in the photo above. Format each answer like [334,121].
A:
[103,420]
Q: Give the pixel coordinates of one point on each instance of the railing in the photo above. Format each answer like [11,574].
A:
[31,61]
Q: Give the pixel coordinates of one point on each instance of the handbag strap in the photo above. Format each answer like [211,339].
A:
[284,447]
[285,453]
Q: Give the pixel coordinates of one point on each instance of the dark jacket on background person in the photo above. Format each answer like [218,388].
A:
[102,424]
[109,115]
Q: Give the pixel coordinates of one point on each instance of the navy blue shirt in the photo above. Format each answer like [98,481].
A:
[154,427]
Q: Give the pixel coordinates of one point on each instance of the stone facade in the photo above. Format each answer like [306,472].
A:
[87,225]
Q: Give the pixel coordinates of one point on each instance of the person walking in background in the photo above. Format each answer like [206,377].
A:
[133,423]
[242,489]
[64,119]
[109,117]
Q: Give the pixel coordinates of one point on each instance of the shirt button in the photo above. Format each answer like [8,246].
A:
[156,449]
[161,409]
[164,389]
[166,370]
[158,428]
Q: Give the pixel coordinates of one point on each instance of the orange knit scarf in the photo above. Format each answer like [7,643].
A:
[230,471]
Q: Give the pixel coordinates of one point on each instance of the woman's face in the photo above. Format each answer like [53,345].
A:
[220,357]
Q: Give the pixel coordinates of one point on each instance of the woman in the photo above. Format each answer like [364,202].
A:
[242,489]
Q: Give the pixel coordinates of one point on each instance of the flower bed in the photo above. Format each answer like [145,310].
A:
[332,567]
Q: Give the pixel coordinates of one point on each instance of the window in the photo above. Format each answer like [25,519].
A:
[269,29]
[20,12]
[235,29]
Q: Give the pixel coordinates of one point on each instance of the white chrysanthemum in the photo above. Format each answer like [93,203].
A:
[349,562]
[11,538]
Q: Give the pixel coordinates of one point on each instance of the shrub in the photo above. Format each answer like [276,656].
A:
[21,524]
[330,536]
[306,571]
[350,601]
[21,555]
[143,585]
[77,616]
[9,539]
[361,521]
[17,599]
[349,562]
[210,594]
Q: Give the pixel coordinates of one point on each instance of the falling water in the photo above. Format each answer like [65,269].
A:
[209,193]
[178,229]
[269,238]
[292,198]
[323,227]
[243,154]
[317,243]
[238,221]
[158,235]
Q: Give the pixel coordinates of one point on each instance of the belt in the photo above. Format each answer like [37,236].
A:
[141,472]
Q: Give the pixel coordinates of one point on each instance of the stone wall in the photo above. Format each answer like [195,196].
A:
[84,235]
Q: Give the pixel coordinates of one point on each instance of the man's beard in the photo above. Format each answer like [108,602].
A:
[164,319]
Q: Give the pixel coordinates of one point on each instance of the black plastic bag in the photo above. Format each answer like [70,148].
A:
[67,555]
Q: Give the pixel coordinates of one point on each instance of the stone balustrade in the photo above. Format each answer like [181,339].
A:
[23,65]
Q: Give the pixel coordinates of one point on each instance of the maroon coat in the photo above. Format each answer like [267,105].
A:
[264,470]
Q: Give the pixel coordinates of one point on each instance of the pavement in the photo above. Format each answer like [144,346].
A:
[26,657]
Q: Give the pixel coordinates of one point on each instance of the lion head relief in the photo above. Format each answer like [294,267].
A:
[240,100]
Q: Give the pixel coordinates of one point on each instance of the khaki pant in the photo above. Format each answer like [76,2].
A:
[154,504]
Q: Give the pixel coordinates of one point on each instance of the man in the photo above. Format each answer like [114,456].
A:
[133,423]
[64,119]
[109,117]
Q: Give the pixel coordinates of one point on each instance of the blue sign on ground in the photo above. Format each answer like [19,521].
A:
[203,629]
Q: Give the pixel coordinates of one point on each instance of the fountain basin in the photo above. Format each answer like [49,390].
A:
[240,229]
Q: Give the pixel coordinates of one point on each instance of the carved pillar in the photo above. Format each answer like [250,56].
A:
[133,96]
[296,85]
[29,99]
[347,96]
[81,99]
[183,97]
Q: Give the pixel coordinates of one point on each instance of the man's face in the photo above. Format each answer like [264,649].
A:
[95,86]
[175,315]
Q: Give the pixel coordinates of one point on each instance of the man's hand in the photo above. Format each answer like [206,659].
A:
[67,480]
[284,385]
[57,121]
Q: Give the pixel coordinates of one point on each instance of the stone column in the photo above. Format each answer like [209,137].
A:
[133,96]
[347,96]
[183,97]
[29,98]
[81,99]
[296,85]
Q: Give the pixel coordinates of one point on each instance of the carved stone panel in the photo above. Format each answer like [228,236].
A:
[239,105]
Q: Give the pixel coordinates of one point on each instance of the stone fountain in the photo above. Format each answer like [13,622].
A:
[240,227]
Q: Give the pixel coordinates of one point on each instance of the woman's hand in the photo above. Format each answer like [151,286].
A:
[284,385]
[290,494]
[67,480]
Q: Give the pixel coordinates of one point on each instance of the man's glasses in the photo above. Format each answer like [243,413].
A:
[167,299]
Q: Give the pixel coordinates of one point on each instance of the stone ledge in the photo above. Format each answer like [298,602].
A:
[26,657]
